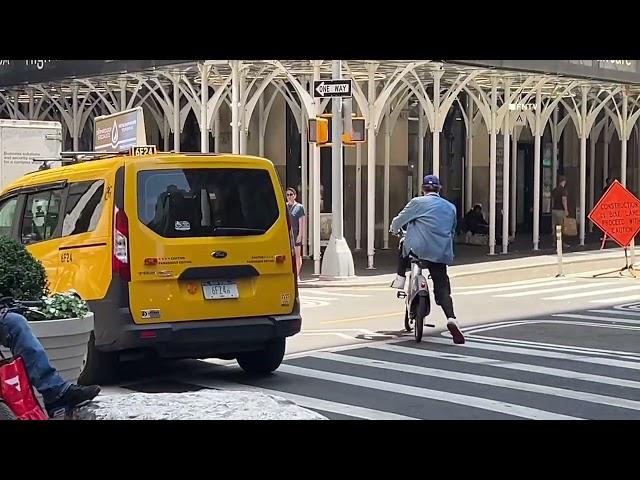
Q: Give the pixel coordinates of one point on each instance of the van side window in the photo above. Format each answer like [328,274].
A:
[41,216]
[7,216]
[85,201]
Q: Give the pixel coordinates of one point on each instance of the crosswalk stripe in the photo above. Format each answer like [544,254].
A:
[594,317]
[551,290]
[616,299]
[602,292]
[308,402]
[321,299]
[617,312]
[523,367]
[508,284]
[465,400]
[517,287]
[610,362]
[562,348]
[336,294]
[483,380]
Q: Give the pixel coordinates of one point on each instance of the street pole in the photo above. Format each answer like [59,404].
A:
[315,190]
[176,113]
[536,171]
[505,177]
[337,261]
[468,194]
[204,103]
[493,167]
[358,196]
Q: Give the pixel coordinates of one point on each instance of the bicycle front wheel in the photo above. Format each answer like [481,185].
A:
[407,321]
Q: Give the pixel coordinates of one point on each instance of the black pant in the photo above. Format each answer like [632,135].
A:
[441,284]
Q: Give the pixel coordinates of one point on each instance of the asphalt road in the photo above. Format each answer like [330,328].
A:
[537,348]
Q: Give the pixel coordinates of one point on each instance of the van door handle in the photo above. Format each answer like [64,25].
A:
[165,273]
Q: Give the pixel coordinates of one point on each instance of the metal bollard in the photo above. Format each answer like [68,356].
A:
[559,249]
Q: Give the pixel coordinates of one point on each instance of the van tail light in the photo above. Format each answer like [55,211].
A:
[121,245]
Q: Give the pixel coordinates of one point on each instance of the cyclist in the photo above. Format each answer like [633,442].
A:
[430,223]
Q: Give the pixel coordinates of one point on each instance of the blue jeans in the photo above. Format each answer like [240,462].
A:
[16,335]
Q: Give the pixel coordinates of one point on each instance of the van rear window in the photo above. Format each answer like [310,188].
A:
[206,202]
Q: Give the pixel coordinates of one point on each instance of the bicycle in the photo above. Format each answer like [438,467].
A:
[417,298]
[10,305]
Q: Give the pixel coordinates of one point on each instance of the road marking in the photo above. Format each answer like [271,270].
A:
[366,317]
[508,284]
[337,334]
[551,290]
[321,299]
[594,317]
[336,294]
[603,292]
[628,307]
[567,348]
[610,362]
[361,289]
[482,380]
[306,304]
[617,299]
[617,312]
[517,287]
[309,402]
[524,367]
[465,400]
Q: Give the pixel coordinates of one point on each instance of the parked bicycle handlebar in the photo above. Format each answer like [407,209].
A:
[11,305]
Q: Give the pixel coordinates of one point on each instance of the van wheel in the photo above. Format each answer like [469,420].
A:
[263,361]
[99,367]
[5,412]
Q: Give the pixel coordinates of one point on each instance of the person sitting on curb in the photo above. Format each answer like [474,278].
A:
[475,222]
[58,394]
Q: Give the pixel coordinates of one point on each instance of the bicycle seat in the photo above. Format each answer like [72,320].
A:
[415,259]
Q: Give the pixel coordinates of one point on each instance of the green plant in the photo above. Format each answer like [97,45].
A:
[59,306]
[21,275]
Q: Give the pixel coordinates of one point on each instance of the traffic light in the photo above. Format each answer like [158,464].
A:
[357,134]
[318,130]
[320,127]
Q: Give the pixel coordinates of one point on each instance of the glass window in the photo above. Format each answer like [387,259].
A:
[41,216]
[7,216]
[85,201]
[207,202]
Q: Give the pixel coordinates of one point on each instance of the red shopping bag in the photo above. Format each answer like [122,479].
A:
[17,392]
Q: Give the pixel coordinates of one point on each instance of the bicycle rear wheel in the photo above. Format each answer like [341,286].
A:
[421,313]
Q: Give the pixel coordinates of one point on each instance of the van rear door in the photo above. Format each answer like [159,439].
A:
[208,239]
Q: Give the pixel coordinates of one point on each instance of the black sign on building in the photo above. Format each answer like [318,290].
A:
[14,73]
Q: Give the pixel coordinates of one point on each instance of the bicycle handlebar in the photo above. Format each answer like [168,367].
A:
[10,304]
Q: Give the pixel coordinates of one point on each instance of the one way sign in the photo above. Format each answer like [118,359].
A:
[332,88]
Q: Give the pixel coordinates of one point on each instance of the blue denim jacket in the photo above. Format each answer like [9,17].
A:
[430,222]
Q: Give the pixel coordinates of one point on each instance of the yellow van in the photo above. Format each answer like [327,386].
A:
[179,255]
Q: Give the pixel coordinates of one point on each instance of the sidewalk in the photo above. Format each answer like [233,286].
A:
[470,260]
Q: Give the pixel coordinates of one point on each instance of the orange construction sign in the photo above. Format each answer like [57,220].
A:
[617,213]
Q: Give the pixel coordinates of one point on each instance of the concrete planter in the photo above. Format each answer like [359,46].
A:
[66,342]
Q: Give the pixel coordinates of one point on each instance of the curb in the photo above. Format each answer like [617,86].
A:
[505,268]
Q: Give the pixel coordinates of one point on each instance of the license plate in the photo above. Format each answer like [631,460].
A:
[220,290]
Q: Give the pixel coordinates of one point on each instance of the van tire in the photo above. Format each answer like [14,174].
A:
[5,412]
[100,367]
[263,361]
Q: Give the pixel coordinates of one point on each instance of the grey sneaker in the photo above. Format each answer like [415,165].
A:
[458,337]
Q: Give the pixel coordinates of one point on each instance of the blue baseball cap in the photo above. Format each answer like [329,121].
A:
[431,180]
